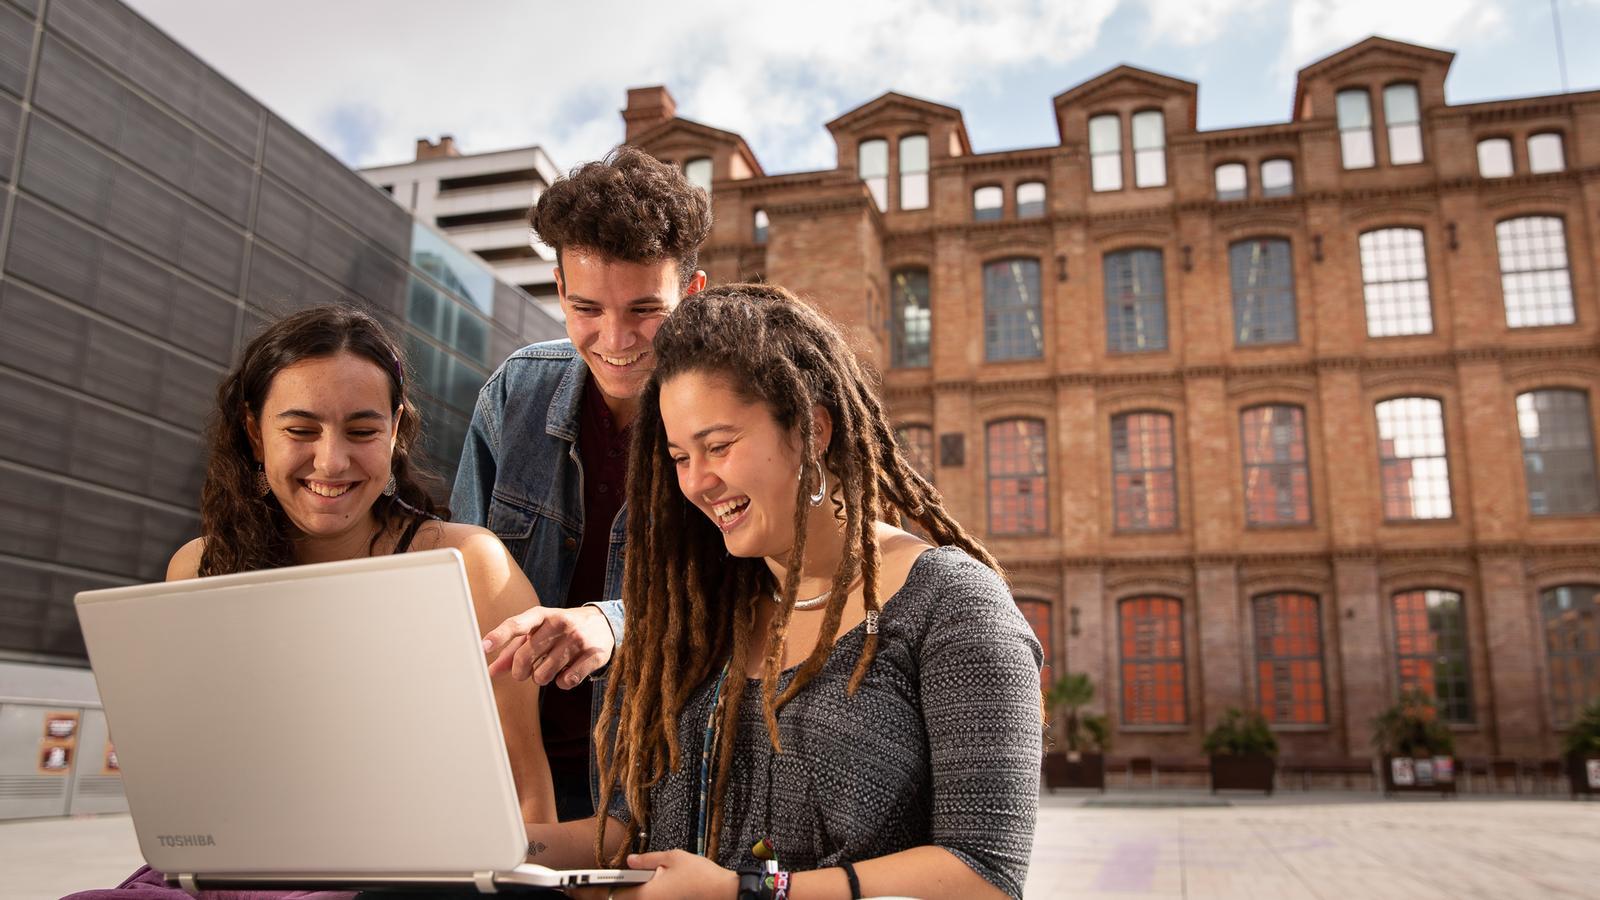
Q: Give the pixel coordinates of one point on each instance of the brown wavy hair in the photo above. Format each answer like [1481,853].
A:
[690,605]
[629,206]
[244,530]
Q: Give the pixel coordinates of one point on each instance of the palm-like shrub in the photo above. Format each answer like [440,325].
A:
[1082,731]
[1411,727]
[1583,738]
[1241,733]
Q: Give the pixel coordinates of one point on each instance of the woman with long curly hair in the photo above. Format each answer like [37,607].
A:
[807,698]
[312,457]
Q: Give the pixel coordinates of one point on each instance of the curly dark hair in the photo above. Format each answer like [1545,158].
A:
[629,206]
[690,605]
[244,530]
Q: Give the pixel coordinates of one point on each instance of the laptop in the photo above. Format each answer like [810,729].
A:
[320,726]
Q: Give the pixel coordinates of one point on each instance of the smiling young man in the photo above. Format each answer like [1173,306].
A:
[545,461]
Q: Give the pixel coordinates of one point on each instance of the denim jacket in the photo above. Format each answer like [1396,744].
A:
[520,476]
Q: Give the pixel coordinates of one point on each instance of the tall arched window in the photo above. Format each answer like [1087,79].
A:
[1355,128]
[1572,648]
[1013,317]
[911,319]
[1262,274]
[1290,688]
[1150,638]
[914,171]
[1136,301]
[1037,612]
[1430,636]
[1277,481]
[1144,479]
[1402,114]
[1014,452]
[1414,467]
[759,223]
[1149,149]
[1105,153]
[1394,279]
[1534,278]
[1558,452]
[916,442]
[872,166]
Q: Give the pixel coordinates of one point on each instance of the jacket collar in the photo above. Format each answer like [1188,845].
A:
[562,419]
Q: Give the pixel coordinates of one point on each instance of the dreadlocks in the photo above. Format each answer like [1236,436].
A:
[690,606]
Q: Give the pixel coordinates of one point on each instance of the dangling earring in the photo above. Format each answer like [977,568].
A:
[263,486]
[388,489]
[822,486]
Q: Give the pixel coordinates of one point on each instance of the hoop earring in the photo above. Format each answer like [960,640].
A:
[263,486]
[822,486]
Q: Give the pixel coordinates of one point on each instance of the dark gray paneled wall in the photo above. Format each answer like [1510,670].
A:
[154,216]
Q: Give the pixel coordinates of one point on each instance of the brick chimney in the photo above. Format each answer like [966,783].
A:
[427,149]
[647,108]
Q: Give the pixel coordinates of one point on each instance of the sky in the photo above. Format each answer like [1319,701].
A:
[366,78]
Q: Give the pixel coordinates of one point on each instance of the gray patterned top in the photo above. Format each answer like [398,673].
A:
[940,745]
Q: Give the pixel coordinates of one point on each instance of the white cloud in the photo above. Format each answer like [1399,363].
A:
[1320,27]
[1191,23]
[504,73]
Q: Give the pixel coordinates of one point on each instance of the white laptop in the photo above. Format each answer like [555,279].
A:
[328,725]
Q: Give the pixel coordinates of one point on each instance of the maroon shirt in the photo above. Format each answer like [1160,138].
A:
[603,455]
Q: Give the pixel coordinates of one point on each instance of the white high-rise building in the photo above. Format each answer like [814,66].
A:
[481,202]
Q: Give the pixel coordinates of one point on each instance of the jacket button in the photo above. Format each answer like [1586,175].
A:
[572,543]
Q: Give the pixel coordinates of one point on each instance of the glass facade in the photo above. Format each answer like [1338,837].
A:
[160,217]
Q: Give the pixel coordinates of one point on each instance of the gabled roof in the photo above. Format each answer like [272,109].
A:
[893,104]
[703,132]
[1123,78]
[1361,54]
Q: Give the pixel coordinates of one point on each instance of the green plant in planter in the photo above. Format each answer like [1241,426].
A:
[1084,732]
[1583,738]
[1411,727]
[1241,733]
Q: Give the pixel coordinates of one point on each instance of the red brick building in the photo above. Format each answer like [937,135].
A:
[1291,416]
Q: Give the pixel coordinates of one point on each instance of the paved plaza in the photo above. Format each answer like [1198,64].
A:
[1321,846]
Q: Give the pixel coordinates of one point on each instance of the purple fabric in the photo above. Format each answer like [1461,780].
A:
[148,884]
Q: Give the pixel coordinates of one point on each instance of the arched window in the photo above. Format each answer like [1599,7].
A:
[1150,637]
[1144,477]
[758,226]
[1136,301]
[1277,481]
[1572,648]
[1232,181]
[1545,153]
[1430,636]
[1149,149]
[872,166]
[698,171]
[1030,200]
[1394,282]
[1290,688]
[1534,279]
[1414,468]
[1277,178]
[916,442]
[1494,158]
[1402,113]
[1558,452]
[1355,129]
[911,319]
[1262,273]
[988,203]
[1037,612]
[1014,452]
[1105,153]
[914,171]
[1013,317]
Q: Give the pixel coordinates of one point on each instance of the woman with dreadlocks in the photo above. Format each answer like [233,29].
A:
[807,699]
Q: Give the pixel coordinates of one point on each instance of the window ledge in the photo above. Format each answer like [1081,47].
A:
[1153,729]
[1299,729]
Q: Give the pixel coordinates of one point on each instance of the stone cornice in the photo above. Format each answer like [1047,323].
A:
[1363,554]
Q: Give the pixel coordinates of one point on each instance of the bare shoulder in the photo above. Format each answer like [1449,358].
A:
[471,540]
[897,553]
[186,562]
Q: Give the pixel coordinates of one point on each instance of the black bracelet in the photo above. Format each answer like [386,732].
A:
[750,882]
[855,883]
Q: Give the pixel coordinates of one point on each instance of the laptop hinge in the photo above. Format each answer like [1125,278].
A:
[485,882]
[186,881]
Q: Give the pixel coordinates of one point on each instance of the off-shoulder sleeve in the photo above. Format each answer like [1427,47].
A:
[979,666]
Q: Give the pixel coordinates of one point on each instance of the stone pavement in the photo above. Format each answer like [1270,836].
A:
[1324,846]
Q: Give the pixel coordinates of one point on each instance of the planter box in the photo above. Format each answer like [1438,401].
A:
[1583,774]
[1423,775]
[1075,770]
[1253,772]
